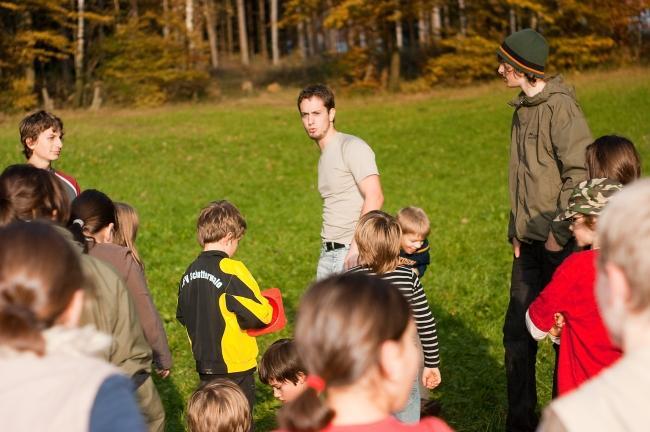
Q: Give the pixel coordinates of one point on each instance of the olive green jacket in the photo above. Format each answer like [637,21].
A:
[109,307]
[547,160]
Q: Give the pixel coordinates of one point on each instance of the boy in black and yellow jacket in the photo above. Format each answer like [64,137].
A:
[218,300]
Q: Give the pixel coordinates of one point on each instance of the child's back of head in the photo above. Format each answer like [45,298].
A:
[613,157]
[344,340]
[378,238]
[219,220]
[218,406]
[281,368]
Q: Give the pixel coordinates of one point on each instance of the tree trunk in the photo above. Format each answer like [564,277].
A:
[274,33]
[243,34]
[229,30]
[211,28]
[165,5]
[436,23]
[422,27]
[311,38]
[513,20]
[394,75]
[447,19]
[189,23]
[462,17]
[533,21]
[261,25]
[79,56]
[133,12]
[302,44]
[399,38]
[30,71]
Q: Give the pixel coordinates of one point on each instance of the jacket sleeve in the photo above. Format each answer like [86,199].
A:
[425,324]
[150,320]
[570,136]
[243,296]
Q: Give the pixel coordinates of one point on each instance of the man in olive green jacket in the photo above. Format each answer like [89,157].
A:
[547,160]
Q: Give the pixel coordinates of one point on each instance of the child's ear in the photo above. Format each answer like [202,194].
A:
[390,359]
[301,377]
[29,142]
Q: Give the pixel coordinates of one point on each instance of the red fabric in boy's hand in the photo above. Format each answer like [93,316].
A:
[278,319]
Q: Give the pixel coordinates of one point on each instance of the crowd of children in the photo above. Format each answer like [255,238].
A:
[366,341]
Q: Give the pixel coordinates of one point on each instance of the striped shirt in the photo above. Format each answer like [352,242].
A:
[408,283]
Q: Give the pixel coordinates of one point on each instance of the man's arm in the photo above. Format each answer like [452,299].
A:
[570,136]
[373,199]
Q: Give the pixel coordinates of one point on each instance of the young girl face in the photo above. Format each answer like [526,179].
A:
[584,235]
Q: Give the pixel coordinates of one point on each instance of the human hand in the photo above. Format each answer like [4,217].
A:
[163,373]
[352,257]
[431,377]
[516,247]
[556,330]
[552,244]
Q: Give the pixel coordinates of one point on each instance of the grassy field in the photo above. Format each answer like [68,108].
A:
[445,151]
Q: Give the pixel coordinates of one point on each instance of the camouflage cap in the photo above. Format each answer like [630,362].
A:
[590,197]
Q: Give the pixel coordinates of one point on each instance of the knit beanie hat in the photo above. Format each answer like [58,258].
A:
[526,51]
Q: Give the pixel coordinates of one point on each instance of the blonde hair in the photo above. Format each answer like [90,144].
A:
[624,233]
[378,238]
[413,220]
[217,220]
[127,229]
[218,406]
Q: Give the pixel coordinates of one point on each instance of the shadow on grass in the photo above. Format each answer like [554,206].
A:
[173,402]
[473,389]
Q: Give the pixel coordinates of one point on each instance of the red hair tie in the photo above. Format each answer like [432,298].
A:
[315,382]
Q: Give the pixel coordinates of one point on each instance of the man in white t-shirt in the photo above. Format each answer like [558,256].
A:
[617,399]
[348,179]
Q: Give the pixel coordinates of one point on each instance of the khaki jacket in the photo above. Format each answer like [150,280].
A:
[547,160]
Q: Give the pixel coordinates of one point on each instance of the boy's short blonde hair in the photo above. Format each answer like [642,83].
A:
[624,233]
[378,238]
[413,220]
[218,406]
[217,220]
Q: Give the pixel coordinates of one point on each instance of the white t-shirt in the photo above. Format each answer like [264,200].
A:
[345,161]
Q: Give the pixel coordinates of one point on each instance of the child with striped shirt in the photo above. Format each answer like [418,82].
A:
[378,237]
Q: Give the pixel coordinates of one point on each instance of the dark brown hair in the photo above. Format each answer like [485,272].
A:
[217,220]
[218,406]
[613,157]
[34,124]
[341,327]
[320,91]
[29,193]
[95,209]
[378,238]
[39,273]
[281,363]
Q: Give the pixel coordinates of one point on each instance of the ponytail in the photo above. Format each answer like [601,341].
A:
[19,326]
[39,274]
[307,413]
[339,333]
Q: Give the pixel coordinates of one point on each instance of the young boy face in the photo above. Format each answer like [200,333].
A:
[584,235]
[411,242]
[46,147]
[286,391]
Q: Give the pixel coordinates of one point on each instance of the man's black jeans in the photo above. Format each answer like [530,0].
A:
[531,272]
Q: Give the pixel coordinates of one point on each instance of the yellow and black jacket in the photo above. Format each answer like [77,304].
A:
[218,300]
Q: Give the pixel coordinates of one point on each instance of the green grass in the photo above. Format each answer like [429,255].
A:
[446,152]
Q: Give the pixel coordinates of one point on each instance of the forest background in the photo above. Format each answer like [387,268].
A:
[89,53]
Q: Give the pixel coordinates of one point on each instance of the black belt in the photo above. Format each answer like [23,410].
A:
[330,246]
